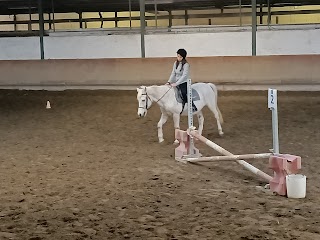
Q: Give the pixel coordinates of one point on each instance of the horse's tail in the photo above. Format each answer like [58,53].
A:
[215,90]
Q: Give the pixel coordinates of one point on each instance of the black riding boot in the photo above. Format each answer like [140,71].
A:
[194,108]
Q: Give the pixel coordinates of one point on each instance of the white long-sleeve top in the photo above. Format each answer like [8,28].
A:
[177,76]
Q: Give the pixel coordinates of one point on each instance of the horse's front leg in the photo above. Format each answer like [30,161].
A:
[176,124]
[163,120]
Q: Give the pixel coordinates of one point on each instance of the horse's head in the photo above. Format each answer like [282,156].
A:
[144,101]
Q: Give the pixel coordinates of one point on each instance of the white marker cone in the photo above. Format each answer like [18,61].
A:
[48,105]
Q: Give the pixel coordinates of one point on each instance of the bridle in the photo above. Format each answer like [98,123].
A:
[148,98]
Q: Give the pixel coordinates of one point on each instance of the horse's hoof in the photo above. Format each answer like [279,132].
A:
[161,140]
[221,134]
[176,142]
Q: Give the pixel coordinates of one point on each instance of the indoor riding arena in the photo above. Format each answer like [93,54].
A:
[76,160]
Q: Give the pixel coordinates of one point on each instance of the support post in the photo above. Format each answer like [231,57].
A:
[261,13]
[50,21]
[41,28]
[186,22]
[240,12]
[30,18]
[170,18]
[142,27]
[54,25]
[80,19]
[15,22]
[156,12]
[130,14]
[254,27]
[269,13]
[116,19]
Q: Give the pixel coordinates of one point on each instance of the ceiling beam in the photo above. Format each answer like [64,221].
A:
[10,7]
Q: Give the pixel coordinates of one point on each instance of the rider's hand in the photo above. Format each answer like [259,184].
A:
[173,84]
[168,83]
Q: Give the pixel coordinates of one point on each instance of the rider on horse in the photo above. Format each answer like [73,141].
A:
[180,75]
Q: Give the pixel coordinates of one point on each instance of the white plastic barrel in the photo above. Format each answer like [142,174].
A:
[296,185]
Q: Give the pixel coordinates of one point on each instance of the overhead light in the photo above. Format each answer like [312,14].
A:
[159,1]
[21,8]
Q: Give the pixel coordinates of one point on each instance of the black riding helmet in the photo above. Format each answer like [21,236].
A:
[182,52]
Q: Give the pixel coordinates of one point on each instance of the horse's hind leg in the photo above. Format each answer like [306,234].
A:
[200,122]
[217,114]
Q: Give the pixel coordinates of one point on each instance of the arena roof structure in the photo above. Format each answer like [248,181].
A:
[41,7]
[11,7]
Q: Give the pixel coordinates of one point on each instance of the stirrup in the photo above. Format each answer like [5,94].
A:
[194,109]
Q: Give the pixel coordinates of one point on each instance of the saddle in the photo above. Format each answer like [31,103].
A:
[180,98]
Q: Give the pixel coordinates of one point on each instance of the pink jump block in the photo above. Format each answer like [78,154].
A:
[183,138]
[283,165]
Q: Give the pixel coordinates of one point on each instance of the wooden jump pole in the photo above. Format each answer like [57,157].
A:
[230,158]
[221,150]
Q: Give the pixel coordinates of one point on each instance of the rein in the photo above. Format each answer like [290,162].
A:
[163,94]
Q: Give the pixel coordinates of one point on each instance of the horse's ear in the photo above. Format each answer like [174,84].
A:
[137,89]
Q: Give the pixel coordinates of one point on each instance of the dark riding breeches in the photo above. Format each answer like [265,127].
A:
[183,87]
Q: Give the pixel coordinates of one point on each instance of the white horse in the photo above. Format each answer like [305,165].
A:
[165,97]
